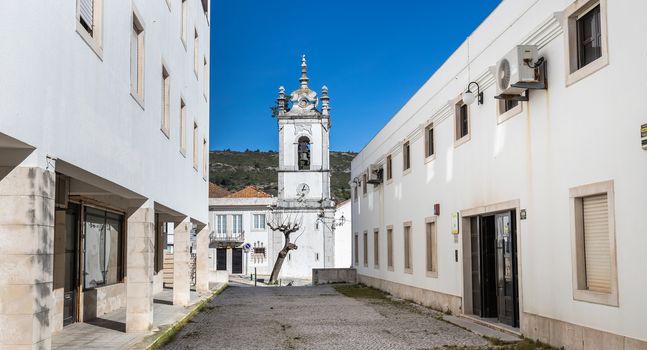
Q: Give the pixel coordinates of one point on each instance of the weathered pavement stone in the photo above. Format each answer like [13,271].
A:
[314,318]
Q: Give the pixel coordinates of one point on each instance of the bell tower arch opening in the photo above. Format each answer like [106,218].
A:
[303,148]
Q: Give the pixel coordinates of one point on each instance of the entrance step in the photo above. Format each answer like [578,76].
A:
[484,329]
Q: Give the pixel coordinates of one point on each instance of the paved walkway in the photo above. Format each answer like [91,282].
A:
[109,331]
[244,317]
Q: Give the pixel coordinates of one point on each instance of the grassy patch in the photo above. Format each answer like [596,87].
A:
[360,291]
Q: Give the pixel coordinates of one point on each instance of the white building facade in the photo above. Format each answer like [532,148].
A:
[520,213]
[103,139]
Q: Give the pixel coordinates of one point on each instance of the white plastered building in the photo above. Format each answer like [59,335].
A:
[525,214]
[104,139]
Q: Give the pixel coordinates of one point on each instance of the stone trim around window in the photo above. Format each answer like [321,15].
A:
[407,224]
[457,103]
[431,220]
[502,115]
[569,18]
[94,40]
[577,244]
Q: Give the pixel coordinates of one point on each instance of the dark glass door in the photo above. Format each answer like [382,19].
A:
[476,266]
[506,270]
[237,260]
[221,259]
[71,264]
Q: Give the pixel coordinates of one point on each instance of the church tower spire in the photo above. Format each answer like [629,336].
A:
[304,70]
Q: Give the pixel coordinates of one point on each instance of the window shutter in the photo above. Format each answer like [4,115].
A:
[86,11]
[596,243]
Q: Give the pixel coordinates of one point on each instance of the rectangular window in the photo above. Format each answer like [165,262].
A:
[166,102]
[237,224]
[183,20]
[364,183]
[586,39]
[137,60]
[259,221]
[206,79]
[205,159]
[182,127]
[365,248]
[221,224]
[432,248]
[406,156]
[103,258]
[376,248]
[462,121]
[89,23]
[389,167]
[355,192]
[407,248]
[389,247]
[195,146]
[356,250]
[589,37]
[594,255]
[429,141]
[196,53]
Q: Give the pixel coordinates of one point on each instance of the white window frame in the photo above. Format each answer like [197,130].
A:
[237,224]
[432,156]
[458,140]
[388,164]
[254,222]
[580,292]
[95,39]
[407,252]
[433,255]
[569,22]
[503,115]
[221,223]
[182,128]
[406,157]
[137,60]
[195,146]
[166,102]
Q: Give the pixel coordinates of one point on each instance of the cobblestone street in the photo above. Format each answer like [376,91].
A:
[316,318]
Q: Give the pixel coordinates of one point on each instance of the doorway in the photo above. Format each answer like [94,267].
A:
[494,275]
[70,293]
[221,259]
[237,261]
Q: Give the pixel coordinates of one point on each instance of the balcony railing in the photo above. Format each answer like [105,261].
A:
[228,237]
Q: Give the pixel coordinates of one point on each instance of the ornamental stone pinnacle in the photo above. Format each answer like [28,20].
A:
[304,76]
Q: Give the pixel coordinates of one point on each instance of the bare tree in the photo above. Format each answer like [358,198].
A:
[286,223]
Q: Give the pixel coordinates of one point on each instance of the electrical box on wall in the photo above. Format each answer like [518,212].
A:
[643,136]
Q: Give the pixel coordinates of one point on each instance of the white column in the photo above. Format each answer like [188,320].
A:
[181,266]
[202,260]
[26,257]
[140,265]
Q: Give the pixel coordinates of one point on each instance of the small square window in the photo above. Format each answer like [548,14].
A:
[432,248]
[389,167]
[166,102]
[89,23]
[589,37]
[408,267]
[376,248]
[507,109]
[365,249]
[364,183]
[137,60]
[389,247]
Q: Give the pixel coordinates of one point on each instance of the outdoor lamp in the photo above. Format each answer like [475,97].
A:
[469,97]
[342,220]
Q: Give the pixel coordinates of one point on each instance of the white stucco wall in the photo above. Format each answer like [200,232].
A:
[565,137]
[343,236]
[70,104]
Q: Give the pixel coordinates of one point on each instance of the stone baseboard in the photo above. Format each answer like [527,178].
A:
[435,300]
[574,337]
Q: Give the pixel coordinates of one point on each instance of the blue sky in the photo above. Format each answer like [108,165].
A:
[372,55]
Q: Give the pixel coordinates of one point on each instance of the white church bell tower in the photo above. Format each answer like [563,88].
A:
[304,177]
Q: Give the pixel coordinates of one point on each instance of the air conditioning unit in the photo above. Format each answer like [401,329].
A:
[516,70]
[375,174]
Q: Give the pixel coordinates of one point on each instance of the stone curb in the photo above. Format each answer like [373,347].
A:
[166,335]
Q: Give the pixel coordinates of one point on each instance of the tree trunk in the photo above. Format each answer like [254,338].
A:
[279,261]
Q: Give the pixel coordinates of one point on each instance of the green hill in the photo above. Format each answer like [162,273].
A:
[234,170]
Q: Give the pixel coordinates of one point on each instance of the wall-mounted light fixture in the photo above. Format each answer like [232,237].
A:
[469,97]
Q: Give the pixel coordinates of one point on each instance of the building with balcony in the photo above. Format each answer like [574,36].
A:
[103,141]
[519,208]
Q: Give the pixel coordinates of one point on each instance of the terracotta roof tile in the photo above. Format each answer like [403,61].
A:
[249,192]
[216,191]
